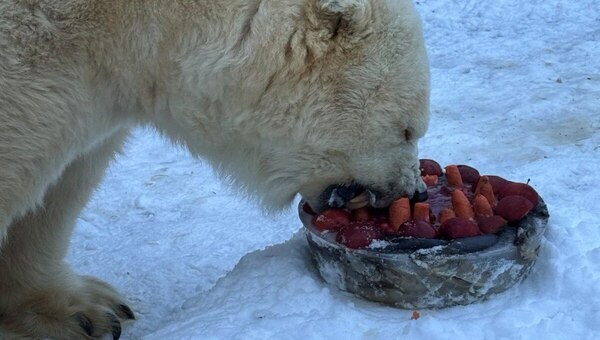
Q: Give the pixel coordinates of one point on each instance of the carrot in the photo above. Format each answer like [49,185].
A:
[484,187]
[446,214]
[461,205]
[430,180]
[399,212]
[421,211]
[482,207]
[453,176]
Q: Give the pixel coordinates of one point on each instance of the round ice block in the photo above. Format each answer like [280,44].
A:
[430,274]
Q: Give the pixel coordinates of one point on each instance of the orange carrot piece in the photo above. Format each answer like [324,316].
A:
[421,211]
[461,205]
[446,214]
[453,176]
[430,180]
[484,187]
[482,207]
[399,212]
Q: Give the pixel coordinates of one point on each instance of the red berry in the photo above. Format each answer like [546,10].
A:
[430,167]
[468,174]
[331,219]
[459,227]
[520,189]
[418,229]
[387,229]
[359,234]
[513,208]
[383,224]
[491,224]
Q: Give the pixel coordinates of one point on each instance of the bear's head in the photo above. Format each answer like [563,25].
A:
[339,96]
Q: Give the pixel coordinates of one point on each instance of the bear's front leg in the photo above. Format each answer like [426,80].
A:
[67,306]
[40,296]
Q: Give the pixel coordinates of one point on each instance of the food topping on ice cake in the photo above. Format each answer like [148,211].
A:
[461,203]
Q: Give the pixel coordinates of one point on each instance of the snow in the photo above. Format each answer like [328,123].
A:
[516,92]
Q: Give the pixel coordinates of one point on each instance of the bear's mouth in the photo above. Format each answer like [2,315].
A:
[355,196]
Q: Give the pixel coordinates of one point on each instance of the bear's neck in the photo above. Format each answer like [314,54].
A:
[177,58]
[199,71]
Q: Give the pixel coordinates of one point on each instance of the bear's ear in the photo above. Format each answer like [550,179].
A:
[344,17]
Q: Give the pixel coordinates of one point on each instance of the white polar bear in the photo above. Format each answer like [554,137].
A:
[283,97]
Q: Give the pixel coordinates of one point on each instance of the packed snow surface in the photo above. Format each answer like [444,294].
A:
[515,92]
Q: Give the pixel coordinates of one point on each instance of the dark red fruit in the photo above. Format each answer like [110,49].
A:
[387,229]
[491,224]
[468,174]
[382,222]
[459,227]
[498,183]
[359,234]
[308,209]
[331,219]
[520,189]
[513,208]
[430,167]
[418,229]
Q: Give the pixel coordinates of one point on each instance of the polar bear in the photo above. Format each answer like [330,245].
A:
[283,97]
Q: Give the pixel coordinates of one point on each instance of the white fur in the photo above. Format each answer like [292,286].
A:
[283,97]
[342,6]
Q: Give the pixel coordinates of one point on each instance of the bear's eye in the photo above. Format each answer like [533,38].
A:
[408,135]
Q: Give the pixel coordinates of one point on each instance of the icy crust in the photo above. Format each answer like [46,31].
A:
[432,277]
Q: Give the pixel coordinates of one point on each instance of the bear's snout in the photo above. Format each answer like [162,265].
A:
[356,195]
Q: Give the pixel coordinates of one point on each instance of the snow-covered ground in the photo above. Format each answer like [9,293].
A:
[516,92]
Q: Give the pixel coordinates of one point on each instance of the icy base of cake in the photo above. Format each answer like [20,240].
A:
[434,277]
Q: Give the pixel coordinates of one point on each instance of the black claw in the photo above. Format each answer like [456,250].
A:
[115,326]
[124,309]
[85,323]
